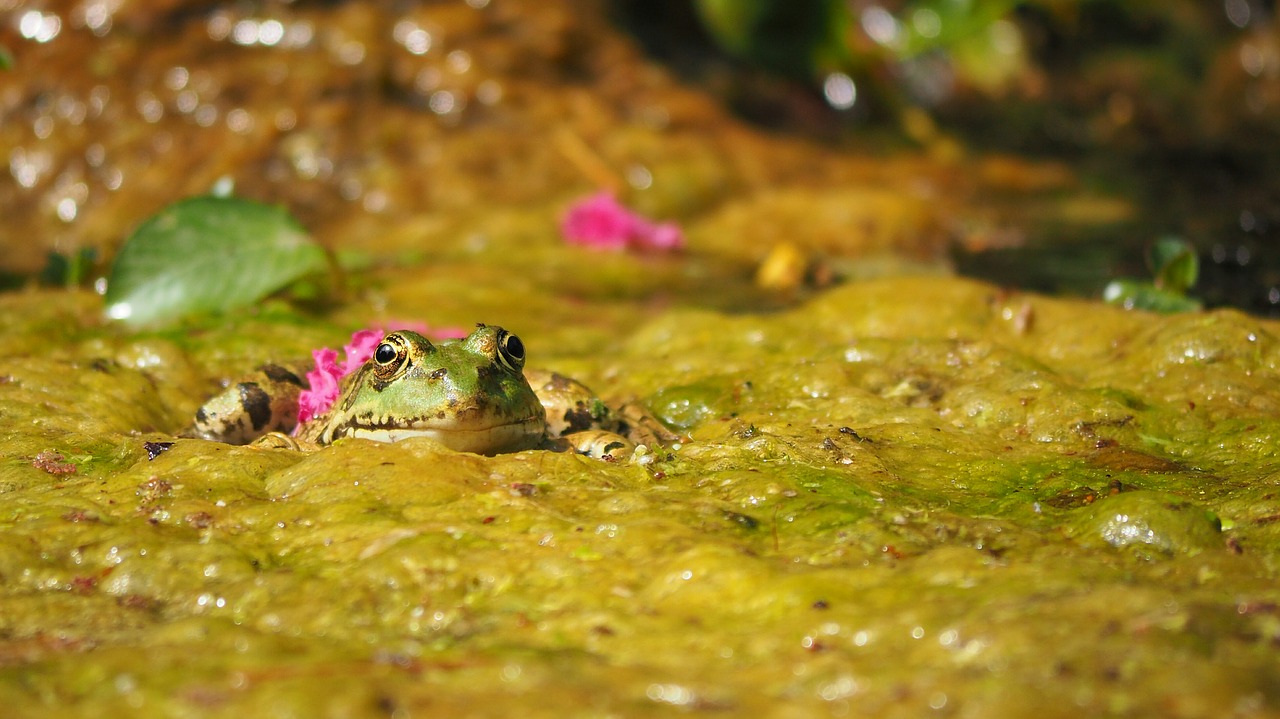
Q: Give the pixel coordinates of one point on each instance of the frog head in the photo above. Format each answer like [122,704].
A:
[469,395]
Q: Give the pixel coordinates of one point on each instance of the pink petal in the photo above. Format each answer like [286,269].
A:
[665,237]
[323,381]
[601,222]
[360,348]
[598,221]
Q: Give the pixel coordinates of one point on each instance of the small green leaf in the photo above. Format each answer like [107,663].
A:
[1174,264]
[6,58]
[792,38]
[68,270]
[208,254]
[1136,295]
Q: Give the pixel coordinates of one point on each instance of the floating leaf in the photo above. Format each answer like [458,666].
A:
[68,270]
[1136,295]
[208,254]
[1174,264]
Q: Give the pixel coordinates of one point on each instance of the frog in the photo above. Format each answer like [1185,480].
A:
[472,394]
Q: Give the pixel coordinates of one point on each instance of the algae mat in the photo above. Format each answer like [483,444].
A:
[903,498]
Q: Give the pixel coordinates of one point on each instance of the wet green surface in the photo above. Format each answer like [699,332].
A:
[903,494]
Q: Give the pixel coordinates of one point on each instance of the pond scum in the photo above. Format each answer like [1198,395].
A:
[967,501]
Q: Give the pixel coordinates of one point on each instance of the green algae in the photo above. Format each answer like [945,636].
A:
[890,498]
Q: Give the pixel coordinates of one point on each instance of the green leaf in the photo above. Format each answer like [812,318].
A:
[783,36]
[68,270]
[1136,295]
[6,58]
[208,254]
[1174,264]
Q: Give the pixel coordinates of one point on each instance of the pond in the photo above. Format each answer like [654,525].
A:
[896,491]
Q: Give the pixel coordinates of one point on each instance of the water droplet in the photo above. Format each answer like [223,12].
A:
[240,121]
[27,168]
[67,209]
[99,96]
[350,188]
[245,32]
[120,311]
[927,22]
[299,34]
[35,25]
[98,16]
[1252,59]
[206,114]
[459,61]
[442,102]
[270,32]
[150,107]
[176,78]
[840,91]
[418,42]
[351,52]
[43,127]
[219,26]
[639,177]
[427,79]
[1238,12]
[187,101]
[95,155]
[880,25]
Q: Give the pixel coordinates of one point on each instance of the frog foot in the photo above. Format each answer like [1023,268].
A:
[280,440]
[599,444]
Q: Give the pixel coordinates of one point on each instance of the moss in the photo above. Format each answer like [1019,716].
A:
[888,494]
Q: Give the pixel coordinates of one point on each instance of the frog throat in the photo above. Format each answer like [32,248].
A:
[504,437]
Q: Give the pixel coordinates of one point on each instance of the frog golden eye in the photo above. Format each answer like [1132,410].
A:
[390,356]
[510,351]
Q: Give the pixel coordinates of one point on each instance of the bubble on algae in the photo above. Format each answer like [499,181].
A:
[1155,523]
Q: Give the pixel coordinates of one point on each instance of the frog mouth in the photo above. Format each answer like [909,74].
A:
[493,439]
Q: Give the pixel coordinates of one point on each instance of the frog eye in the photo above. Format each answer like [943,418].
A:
[385,354]
[390,356]
[510,351]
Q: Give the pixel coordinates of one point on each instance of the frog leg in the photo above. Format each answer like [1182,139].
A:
[264,401]
[280,440]
[600,444]
[639,425]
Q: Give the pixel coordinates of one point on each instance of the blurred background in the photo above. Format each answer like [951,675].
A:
[1040,144]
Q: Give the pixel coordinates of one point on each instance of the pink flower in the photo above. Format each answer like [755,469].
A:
[323,385]
[325,380]
[601,222]
[665,236]
[361,348]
